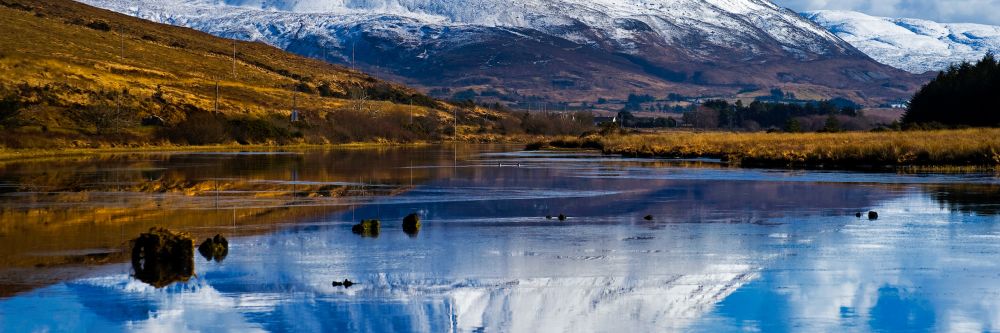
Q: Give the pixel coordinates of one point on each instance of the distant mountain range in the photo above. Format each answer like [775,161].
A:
[914,45]
[569,50]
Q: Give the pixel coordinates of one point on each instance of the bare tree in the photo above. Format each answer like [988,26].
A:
[107,119]
[360,100]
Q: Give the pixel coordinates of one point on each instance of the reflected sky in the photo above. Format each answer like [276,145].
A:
[727,250]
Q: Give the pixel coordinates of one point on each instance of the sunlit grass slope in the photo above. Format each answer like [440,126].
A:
[61,60]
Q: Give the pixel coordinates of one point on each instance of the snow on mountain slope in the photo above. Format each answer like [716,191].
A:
[558,48]
[721,22]
[913,45]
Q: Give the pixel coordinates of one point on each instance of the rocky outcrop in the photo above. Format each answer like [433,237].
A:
[161,257]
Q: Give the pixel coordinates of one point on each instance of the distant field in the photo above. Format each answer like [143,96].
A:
[968,148]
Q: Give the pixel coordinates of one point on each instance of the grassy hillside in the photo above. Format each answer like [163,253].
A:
[77,76]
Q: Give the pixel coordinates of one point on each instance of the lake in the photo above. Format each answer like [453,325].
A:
[725,249]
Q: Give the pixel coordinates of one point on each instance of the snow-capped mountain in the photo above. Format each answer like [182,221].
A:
[570,49]
[914,45]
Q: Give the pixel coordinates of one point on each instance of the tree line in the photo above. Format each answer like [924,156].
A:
[963,95]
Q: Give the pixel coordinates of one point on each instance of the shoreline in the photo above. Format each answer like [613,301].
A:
[955,151]
[8,155]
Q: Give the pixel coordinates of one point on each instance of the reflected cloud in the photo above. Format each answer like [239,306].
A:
[876,277]
[728,250]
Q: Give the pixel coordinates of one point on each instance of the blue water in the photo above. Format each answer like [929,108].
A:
[728,250]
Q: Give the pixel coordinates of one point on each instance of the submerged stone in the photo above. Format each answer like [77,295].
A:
[873,215]
[411,224]
[216,248]
[367,228]
[346,283]
[161,257]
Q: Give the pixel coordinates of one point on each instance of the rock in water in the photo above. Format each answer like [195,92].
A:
[548,217]
[649,217]
[858,215]
[346,284]
[216,248]
[873,215]
[161,257]
[411,224]
[367,228]
[562,217]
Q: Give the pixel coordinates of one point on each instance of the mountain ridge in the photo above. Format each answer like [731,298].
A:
[564,50]
[914,45]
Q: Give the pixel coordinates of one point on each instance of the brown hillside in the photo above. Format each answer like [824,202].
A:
[78,75]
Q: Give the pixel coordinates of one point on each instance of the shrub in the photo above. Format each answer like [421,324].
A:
[10,108]
[100,25]
[256,130]
[200,128]
[106,119]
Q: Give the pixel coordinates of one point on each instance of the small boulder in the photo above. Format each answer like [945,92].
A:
[161,257]
[873,215]
[153,121]
[346,283]
[411,224]
[215,248]
[648,217]
[548,217]
[367,228]
[859,215]
[562,217]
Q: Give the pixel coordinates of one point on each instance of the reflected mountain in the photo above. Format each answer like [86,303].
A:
[729,250]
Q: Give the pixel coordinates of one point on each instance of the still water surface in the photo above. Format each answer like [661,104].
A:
[727,250]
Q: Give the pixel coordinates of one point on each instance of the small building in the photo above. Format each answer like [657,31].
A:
[604,120]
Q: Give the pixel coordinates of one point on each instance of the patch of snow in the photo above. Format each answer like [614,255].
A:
[723,24]
[913,45]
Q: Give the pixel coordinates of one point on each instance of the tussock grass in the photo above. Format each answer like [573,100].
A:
[944,149]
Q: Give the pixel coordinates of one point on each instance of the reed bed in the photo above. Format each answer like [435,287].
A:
[977,148]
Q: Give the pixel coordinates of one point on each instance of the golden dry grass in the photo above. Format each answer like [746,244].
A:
[967,147]
[57,64]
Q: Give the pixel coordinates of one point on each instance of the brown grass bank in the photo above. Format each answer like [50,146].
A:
[941,150]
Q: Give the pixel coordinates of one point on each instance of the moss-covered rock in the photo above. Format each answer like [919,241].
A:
[216,248]
[367,228]
[411,224]
[161,257]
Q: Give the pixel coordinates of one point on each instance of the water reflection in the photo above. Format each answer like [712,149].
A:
[59,214]
[968,198]
[919,268]
[729,250]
